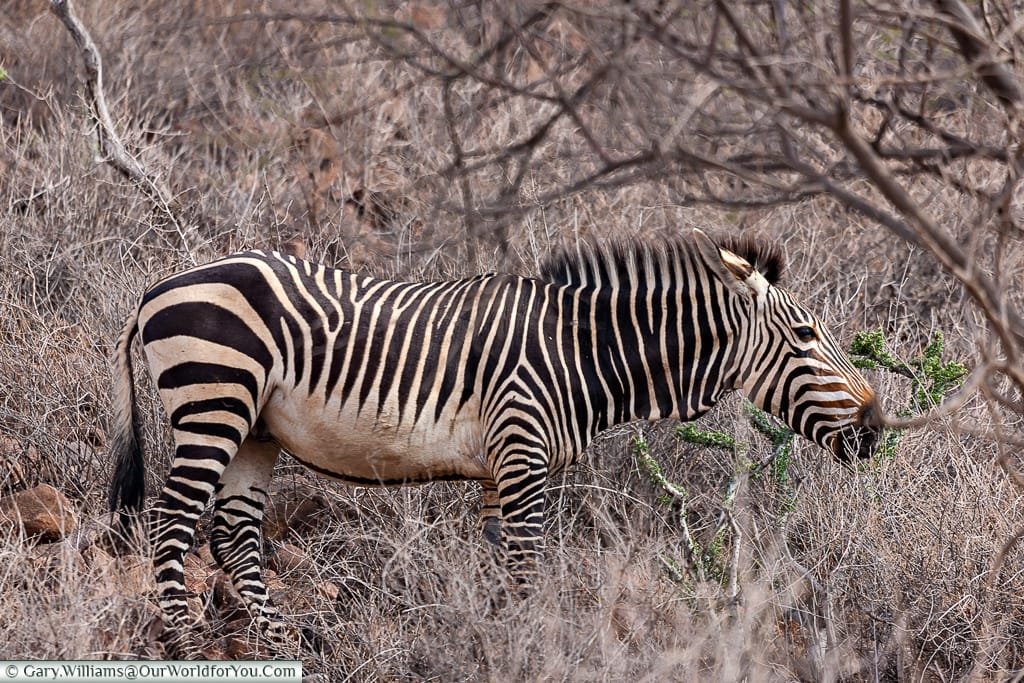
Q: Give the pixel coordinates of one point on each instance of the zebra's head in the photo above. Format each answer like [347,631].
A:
[788,363]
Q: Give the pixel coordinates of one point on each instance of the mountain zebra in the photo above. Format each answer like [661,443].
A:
[499,379]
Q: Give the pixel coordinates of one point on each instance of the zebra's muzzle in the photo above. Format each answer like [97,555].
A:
[859,440]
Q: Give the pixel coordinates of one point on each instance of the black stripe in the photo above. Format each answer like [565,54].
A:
[229,404]
[210,322]
[191,372]
[217,429]
[458,326]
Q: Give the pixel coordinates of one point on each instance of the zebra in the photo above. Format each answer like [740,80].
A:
[499,379]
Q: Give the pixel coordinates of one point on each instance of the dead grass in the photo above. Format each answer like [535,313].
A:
[879,575]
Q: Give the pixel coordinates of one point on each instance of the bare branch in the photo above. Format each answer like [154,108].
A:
[977,51]
[846,36]
[111,146]
[1006,321]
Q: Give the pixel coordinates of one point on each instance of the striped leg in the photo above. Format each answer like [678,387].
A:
[194,474]
[236,540]
[490,513]
[521,480]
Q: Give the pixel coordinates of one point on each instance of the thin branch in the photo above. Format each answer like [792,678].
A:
[846,36]
[956,146]
[970,37]
[469,212]
[111,146]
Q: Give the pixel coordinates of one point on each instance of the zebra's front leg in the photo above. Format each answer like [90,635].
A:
[236,539]
[490,513]
[521,482]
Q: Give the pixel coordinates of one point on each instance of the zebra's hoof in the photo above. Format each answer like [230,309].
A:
[492,532]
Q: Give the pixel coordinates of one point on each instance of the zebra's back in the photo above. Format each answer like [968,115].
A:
[367,380]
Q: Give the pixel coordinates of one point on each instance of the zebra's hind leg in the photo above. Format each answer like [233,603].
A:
[236,540]
[197,467]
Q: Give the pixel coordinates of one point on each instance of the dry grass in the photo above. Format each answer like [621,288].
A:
[882,574]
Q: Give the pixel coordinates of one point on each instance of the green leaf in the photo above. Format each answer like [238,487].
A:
[710,439]
[868,352]
[934,379]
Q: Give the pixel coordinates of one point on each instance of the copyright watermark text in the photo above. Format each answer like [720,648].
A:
[151,672]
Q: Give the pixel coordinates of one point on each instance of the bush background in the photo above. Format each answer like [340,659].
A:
[882,574]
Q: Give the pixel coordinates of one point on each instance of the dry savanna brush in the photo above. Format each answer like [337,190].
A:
[875,145]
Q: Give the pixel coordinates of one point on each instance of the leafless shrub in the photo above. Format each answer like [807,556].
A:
[878,143]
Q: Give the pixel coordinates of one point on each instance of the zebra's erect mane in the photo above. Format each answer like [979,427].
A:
[767,259]
[621,261]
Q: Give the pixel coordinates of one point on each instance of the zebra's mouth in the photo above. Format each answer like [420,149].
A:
[860,442]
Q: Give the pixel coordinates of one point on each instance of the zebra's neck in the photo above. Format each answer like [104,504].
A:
[662,351]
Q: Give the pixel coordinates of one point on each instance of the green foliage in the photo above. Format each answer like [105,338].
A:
[887,449]
[707,561]
[868,353]
[650,468]
[781,438]
[3,74]
[710,439]
[931,380]
[778,433]
[710,561]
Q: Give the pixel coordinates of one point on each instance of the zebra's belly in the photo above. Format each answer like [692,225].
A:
[371,447]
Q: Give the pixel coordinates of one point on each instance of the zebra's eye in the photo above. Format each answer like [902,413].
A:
[805,333]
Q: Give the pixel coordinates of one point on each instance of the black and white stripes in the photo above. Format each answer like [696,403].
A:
[499,379]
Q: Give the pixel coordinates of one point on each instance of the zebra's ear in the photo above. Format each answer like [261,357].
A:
[735,271]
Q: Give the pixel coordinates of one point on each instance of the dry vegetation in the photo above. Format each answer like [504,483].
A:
[435,141]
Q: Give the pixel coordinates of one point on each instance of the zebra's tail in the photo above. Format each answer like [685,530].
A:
[128,487]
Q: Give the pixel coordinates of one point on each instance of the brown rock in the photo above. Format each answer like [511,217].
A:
[98,559]
[328,589]
[225,599]
[206,555]
[42,512]
[57,562]
[289,558]
[284,517]
[91,531]
[129,576]
[240,643]
[195,605]
[215,653]
[197,573]
[103,571]
[136,575]
[275,586]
